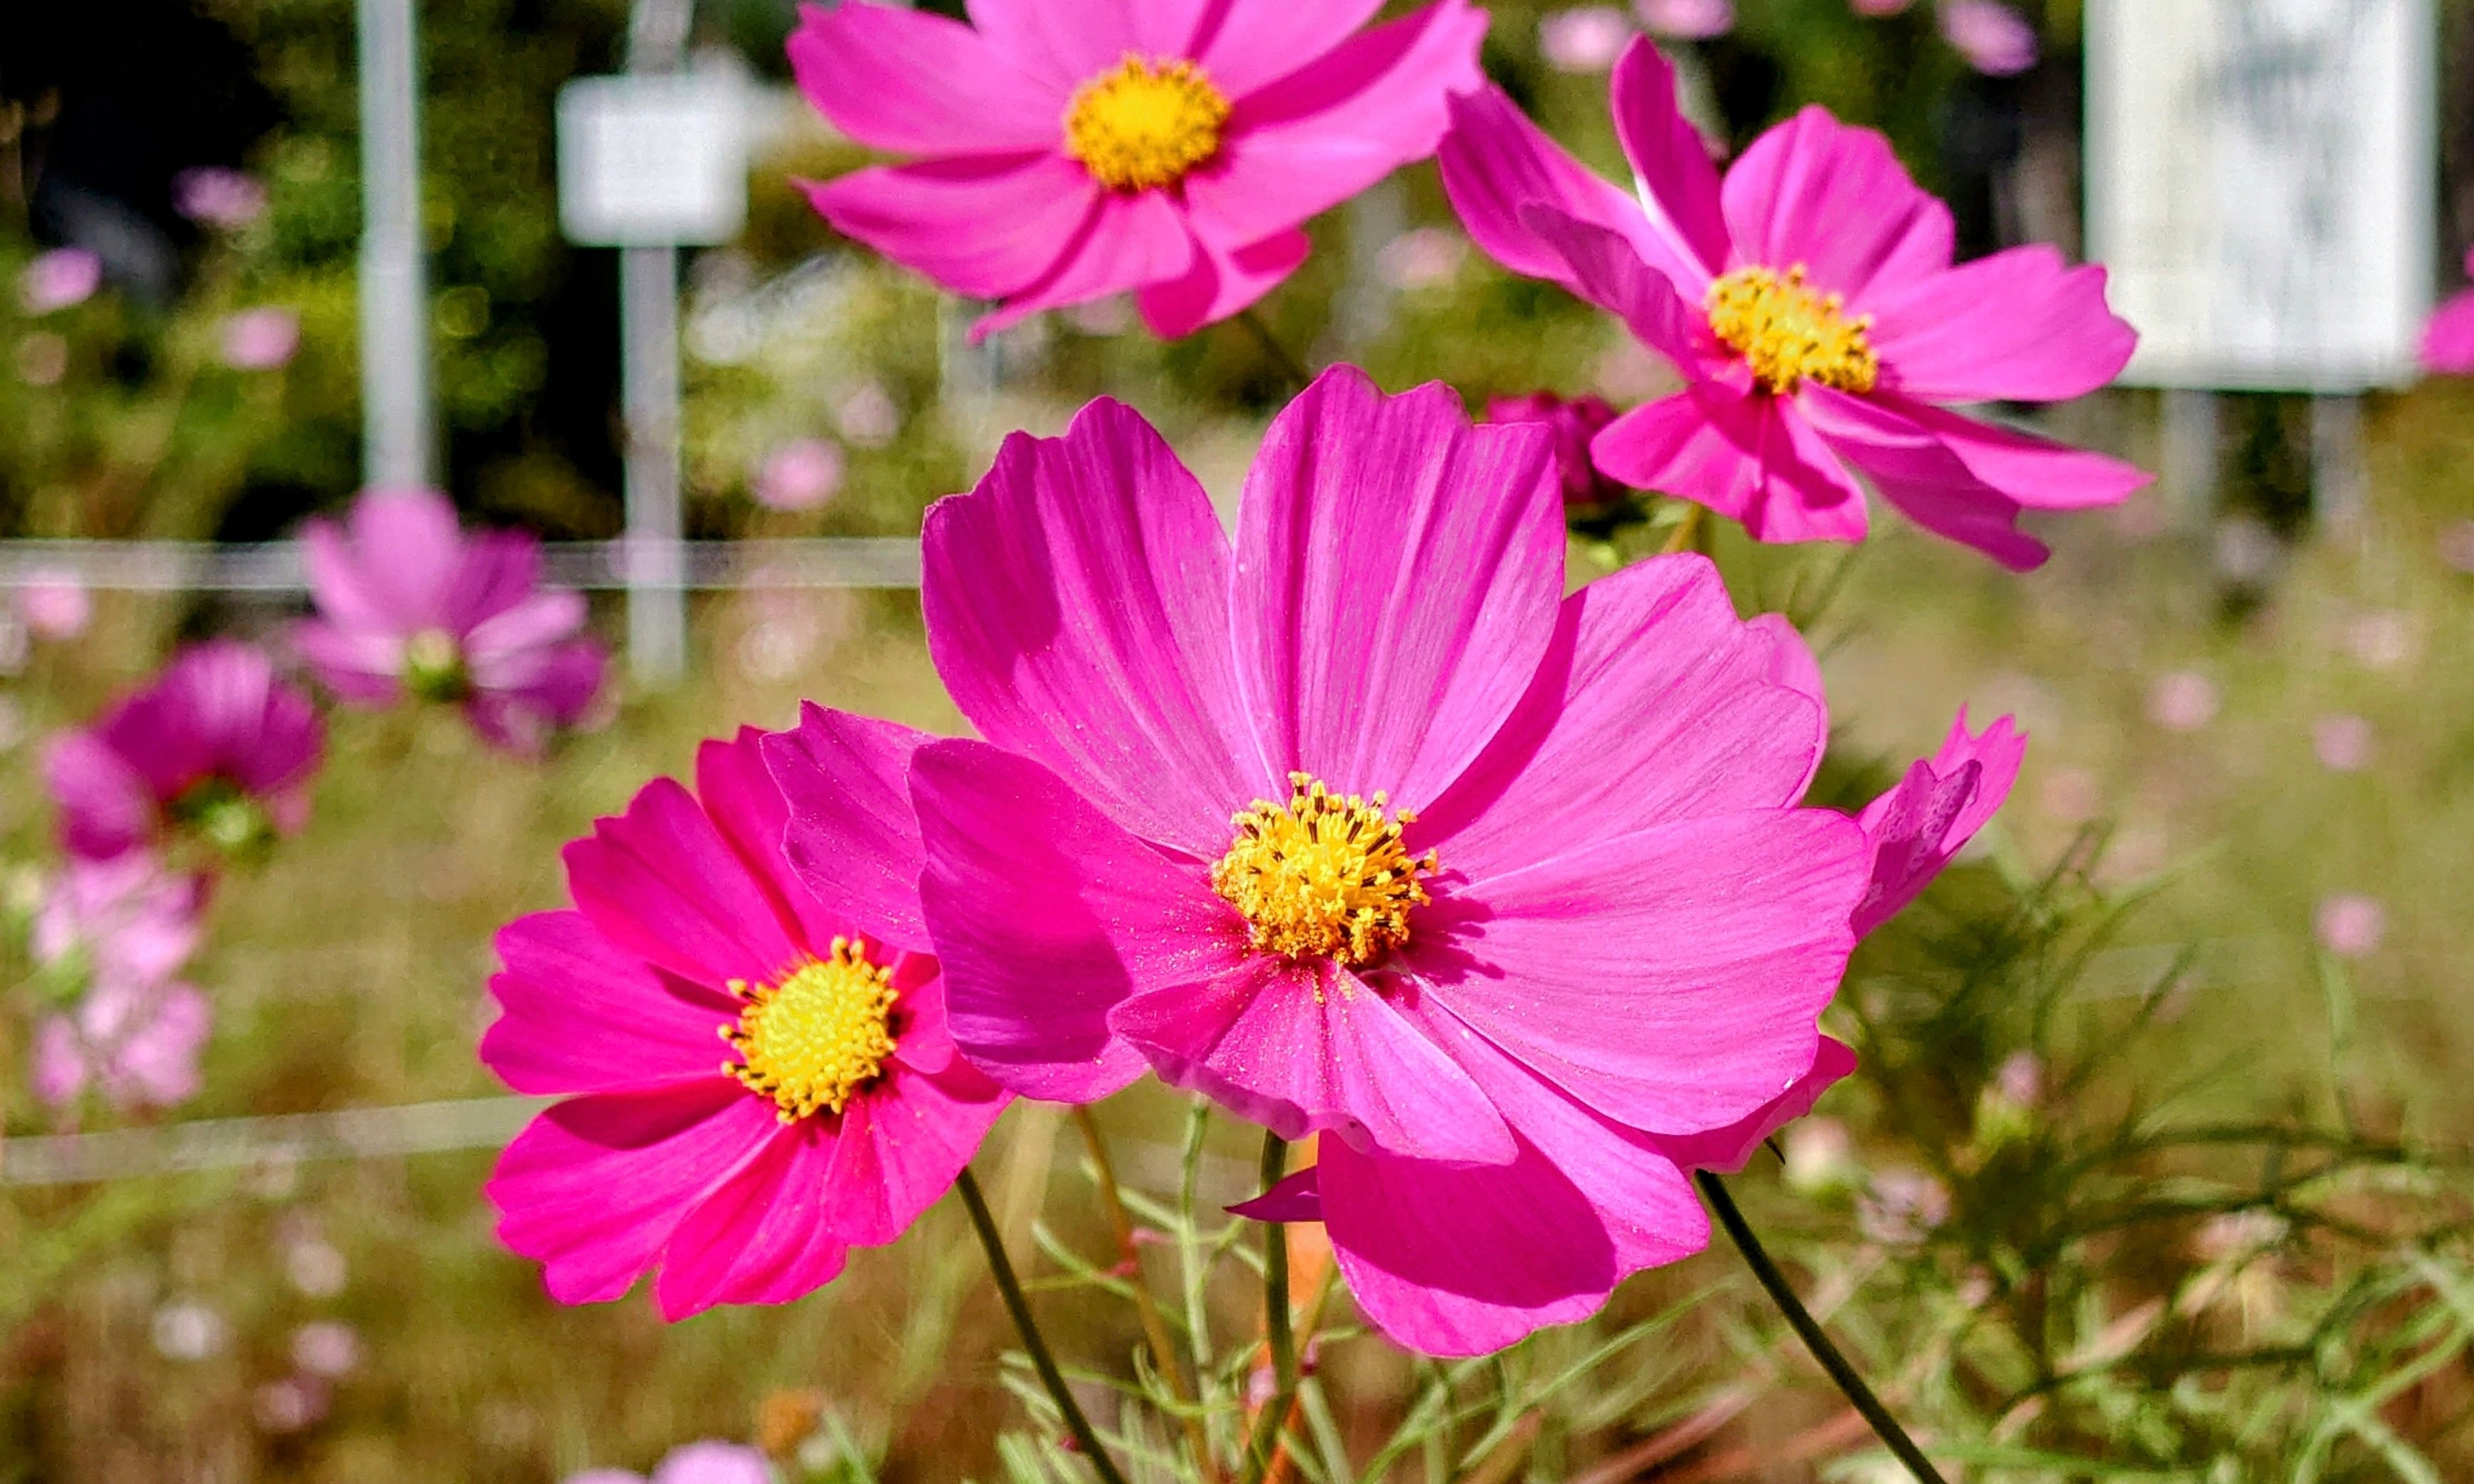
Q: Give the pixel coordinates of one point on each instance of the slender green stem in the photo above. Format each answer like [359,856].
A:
[1001,1268]
[1288,365]
[1155,1326]
[1815,1340]
[1686,534]
[1276,1323]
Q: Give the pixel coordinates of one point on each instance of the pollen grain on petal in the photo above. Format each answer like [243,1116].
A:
[1144,125]
[1789,334]
[814,1039]
[1324,875]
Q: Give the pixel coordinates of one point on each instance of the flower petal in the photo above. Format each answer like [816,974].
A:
[1128,242]
[577,1014]
[1220,283]
[1045,915]
[1331,128]
[1920,826]
[1727,1150]
[406,546]
[594,1187]
[902,1143]
[755,1238]
[1068,45]
[735,787]
[1669,979]
[1746,455]
[850,834]
[1494,162]
[1924,478]
[107,806]
[1397,572]
[1245,46]
[359,665]
[664,883]
[1792,665]
[505,648]
[1613,275]
[918,83]
[333,572]
[1655,704]
[2037,472]
[2021,325]
[1311,1048]
[1835,199]
[499,570]
[984,227]
[2448,340]
[1077,608]
[1679,185]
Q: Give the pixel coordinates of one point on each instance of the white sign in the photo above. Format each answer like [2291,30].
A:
[2260,182]
[652,161]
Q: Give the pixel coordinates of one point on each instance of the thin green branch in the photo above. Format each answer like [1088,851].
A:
[1276,1333]
[1001,1268]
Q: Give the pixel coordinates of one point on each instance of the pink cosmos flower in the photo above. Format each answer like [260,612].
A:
[801,474]
[216,196]
[1687,21]
[831,1110]
[58,280]
[1365,829]
[126,920]
[1072,151]
[2448,340]
[56,604]
[1996,39]
[696,1463]
[260,339]
[2351,925]
[216,745]
[408,604]
[1585,38]
[1919,826]
[138,1044]
[1574,422]
[1810,303]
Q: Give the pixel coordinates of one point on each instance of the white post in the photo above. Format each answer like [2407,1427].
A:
[648,322]
[2190,456]
[2340,476]
[397,436]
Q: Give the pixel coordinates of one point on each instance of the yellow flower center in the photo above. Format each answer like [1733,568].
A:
[1141,126]
[816,1038]
[1789,334]
[1323,875]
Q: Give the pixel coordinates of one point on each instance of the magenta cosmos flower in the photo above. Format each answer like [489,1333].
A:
[756,1065]
[1810,304]
[1072,151]
[1575,422]
[217,747]
[408,604]
[1365,830]
[2448,340]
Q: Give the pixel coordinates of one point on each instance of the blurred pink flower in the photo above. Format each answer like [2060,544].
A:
[1585,38]
[800,475]
[867,418]
[2384,639]
[2183,701]
[216,196]
[1065,152]
[128,920]
[1574,422]
[54,604]
[1687,21]
[2342,743]
[215,745]
[409,604]
[1820,1156]
[2448,341]
[2351,925]
[1995,39]
[1423,258]
[59,278]
[2021,1078]
[1903,1207]
[1917,828]
[260,339]
[695,1463]
[136,1045]
[292,1404]
[326,1347]
[1811,302]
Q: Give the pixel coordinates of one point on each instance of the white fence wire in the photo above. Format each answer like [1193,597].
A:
[274,568]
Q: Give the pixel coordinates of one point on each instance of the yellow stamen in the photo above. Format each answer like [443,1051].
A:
[1323,875]
[1142,126]
[1789,334]
[813,1041]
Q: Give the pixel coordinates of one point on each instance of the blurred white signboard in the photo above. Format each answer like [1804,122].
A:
[653,160]
[2261,181]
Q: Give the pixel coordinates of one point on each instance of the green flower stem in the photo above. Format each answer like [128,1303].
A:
[1288,365]
[1810,1329]
[1155,1326]
[1276,1333]
[1001,1268]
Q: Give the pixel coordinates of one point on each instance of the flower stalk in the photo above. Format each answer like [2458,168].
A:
[1155,1326]
[1809,1328]
[1278,1335]
[1009,1287]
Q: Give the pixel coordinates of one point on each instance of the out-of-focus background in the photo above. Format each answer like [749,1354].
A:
[2249,691]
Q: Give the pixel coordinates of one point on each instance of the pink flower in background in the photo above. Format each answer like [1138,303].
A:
[212,196]
[58,280]
[2448,340]
[409,604]
[2342,743]
[1364,828]
[1585,38]
[2183,701]
[1919,826]
[216,746]
[135,1044]
[1995,39]
[2351,925]
[1423,258]
[125,919]
[696,1463]
[1070,152]
[260,339]
[803,474]
[54,604]
[1810,301]
[1574,422]
[1903,1207]
[1687,21]
[832,1110]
